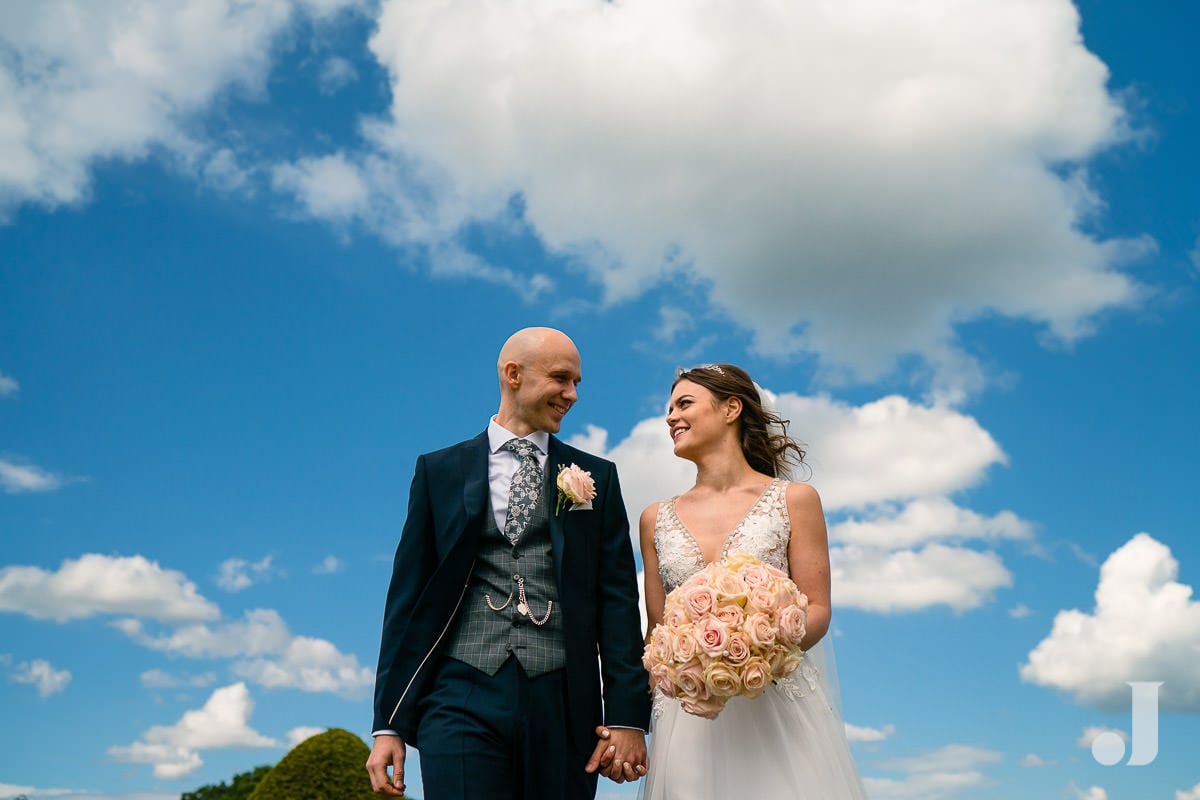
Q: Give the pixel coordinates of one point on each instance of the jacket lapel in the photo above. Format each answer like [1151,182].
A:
[557,539]
[474,465]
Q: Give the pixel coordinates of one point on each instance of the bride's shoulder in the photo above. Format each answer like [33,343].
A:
[802,494]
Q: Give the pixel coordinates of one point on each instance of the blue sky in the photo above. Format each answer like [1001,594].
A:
[257,256]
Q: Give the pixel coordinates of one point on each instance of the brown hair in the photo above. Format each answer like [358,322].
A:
[769,452]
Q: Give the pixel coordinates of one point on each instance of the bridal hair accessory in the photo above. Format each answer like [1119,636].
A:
[576,487]
[729,630]
[710,367]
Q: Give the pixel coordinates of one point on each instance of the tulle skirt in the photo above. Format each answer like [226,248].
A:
[787,743]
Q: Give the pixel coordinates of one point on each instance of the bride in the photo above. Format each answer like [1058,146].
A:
[790,742]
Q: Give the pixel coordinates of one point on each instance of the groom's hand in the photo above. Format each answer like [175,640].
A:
[620,755]
[388,751]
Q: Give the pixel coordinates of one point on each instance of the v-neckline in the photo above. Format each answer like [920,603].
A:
[729,536]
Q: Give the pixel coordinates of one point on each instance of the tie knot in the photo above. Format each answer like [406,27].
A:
[522,447]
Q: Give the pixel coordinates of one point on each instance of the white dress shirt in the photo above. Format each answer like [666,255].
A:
[502,464]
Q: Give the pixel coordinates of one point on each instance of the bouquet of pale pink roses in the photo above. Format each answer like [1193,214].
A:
[731,629]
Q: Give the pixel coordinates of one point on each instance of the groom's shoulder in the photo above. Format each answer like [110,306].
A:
[454,450]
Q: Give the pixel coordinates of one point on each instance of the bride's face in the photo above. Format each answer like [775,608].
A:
[694,418]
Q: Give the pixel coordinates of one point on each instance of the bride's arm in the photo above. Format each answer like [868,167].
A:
[656,596]
[808,557]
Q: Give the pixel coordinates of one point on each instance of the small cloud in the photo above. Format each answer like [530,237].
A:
[1034,760]
[1188,794]
[8,385]
[1194,253]
[20,478]
[328,566]
[1091,793]
[237,574]
[1092,731]
[856,733]
[174,750]
[223,173]
[1019,611]
[159,679]
[297,735]
[336,73]
[41,674]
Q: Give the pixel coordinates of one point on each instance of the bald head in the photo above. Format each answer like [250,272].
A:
[538,370]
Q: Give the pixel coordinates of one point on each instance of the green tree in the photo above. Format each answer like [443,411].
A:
[328,766]
[239,788]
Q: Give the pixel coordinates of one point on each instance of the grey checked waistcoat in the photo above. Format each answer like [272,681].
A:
[485,638]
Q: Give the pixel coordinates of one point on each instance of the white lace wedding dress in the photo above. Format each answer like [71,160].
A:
[788,743]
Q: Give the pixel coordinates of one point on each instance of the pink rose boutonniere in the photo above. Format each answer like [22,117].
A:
[576,487]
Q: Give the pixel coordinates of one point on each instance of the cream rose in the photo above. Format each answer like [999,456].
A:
[755,575]
[660,644]
[721,679]
[760,630]
[737,649]
[683,644]
[762,598]
[731,615]
[731,587]
[707,707]
[676,616]
[689,681]
[756,674]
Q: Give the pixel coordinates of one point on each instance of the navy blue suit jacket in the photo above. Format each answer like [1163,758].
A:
[597,585]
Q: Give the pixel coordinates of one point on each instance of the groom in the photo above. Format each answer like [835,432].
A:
[500,602]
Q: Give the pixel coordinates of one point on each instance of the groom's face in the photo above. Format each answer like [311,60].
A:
[548,387]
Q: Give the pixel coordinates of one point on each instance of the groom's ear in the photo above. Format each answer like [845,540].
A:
[510,372]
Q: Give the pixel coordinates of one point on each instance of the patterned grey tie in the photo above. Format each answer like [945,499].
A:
[526,490]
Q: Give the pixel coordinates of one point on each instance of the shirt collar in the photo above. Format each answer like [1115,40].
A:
[498,435]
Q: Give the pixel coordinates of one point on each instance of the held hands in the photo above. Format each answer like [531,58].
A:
[388,751]
[620,755]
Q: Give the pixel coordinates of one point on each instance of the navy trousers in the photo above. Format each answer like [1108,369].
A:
[499,737]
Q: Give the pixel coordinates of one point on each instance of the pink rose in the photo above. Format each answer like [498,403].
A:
[731,615]
[737,649]
[761,598]
[576,484]
[676,616]
[755,575]
[663,678]
[689,681]
[660,644]
[684,644]
[721,679]
[760,630]
[711,635]
[756,674]
[792,622]
[784,662]
[776,572]
[698,601]
[707,707]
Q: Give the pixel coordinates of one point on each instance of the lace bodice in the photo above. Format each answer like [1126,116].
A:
[763,533]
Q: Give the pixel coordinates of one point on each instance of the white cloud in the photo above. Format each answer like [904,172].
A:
[41,674]
[336,73]
[260,631]
[98,584]
[236,574]
[8,385]
[858,733]
[1092,731]
[270,655]
[893,170]
[297,735]
[927,519]
[87,81]
[18,478]
[1194,254]
[892,459]
[1188,794]
[311,665]
[221,723]
[1144,627]
[330,187]
[1019,611]
[1034,760]
[1091,793]
[933,775]
[328,566]
[159,679]
[223,172]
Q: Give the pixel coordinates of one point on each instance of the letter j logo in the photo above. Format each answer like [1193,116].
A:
[1108,748]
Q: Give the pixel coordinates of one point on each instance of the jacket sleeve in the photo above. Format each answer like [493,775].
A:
[626,702]
[415,561]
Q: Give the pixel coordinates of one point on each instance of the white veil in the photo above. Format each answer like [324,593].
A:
[820,656]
